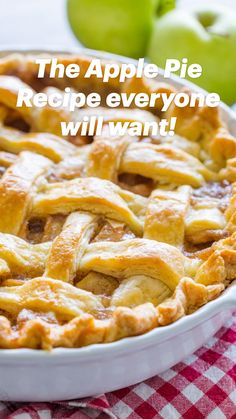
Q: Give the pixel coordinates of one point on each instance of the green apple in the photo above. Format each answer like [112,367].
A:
[204,35]
[119,26]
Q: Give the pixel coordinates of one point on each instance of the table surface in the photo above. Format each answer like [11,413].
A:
[43,23]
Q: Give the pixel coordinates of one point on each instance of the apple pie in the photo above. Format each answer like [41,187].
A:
[104,237]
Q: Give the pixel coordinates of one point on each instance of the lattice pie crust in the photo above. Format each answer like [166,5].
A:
[103,238]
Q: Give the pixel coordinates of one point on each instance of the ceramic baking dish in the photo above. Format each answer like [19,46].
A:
[62,374]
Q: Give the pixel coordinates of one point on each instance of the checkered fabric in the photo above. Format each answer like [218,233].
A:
[203,386]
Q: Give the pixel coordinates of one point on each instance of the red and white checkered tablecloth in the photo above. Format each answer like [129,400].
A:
[203,386]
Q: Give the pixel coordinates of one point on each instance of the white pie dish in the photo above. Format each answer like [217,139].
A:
[31,375]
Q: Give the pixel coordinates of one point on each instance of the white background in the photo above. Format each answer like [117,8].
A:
[41,23]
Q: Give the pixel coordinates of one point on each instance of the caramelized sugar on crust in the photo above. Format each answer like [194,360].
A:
[107,237]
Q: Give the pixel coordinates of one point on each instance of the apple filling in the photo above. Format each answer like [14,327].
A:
[205,222]
[220,192]
[40,230]
[136,183]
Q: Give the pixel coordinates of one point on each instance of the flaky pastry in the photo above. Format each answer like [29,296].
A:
[107,237]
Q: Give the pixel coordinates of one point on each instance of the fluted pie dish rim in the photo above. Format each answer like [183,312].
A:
[226,301]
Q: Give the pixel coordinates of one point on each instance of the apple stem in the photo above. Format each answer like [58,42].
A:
[165,6]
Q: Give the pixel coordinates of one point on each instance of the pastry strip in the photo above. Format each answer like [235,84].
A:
[69,246]
[87,194]
[16,189]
